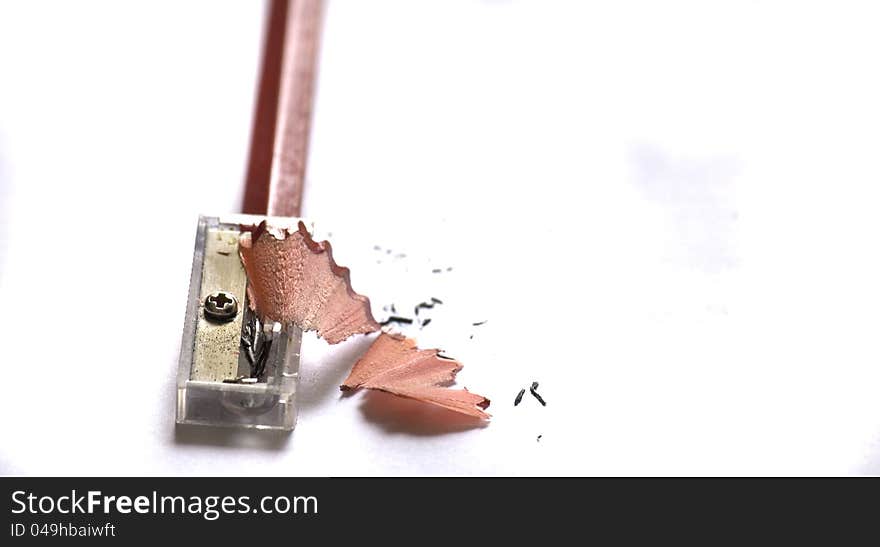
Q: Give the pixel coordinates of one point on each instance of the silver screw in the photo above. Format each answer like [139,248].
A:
[220,307]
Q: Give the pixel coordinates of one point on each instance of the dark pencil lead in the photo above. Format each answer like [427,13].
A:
[428,305]
[539,437]
[440,355]
[396,319]
[535,394]
[263,356]
[425,323]
[480,323]
[436,270]
[519,397]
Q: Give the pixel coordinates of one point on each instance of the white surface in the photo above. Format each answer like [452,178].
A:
[665,211]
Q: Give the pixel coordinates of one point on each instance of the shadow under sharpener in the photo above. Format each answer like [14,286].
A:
[234,371]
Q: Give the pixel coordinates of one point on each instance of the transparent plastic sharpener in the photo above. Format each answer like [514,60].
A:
[234,371]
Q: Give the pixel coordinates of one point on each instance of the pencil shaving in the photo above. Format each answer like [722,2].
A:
[294,279]
[395,365]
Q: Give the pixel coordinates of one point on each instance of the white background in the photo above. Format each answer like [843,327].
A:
[666,211]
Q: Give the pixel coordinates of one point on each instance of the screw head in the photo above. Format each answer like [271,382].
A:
[220,307]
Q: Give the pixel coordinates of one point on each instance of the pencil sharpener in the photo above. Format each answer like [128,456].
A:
[234,371]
